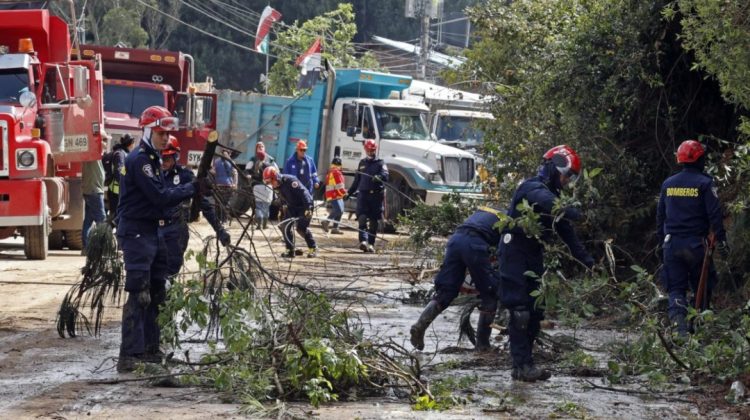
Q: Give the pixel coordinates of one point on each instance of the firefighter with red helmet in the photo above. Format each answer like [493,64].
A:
[175,228]
[688,210]
[369,188]
[299,209]
[145,199]
[520,254]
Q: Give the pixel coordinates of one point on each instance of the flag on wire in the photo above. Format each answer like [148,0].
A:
[267,18]
[310,64]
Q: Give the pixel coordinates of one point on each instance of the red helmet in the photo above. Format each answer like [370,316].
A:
[370,145]
[158,118]
[172,147]
[270,173]
[690,151]
[566,159]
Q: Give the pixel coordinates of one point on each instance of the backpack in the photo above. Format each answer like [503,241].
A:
[109,167]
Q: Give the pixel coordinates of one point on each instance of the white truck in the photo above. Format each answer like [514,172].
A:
[455,115]
[334,118]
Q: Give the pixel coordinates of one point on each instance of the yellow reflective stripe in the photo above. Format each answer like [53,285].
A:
[491,210]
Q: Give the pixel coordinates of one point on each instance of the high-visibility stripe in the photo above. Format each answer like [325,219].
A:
[497,213]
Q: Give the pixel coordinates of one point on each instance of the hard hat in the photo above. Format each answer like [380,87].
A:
[270,173]
[565,159]
[336,161]
[158,118]
[172,147]
[301,145]
[370,145]
[690,151]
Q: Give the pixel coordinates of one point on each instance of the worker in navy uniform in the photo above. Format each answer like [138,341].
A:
[302,167]
[470,247]
[175,229]
[369,188]
[520,254]
[144,199]
[299,205]
[688,209]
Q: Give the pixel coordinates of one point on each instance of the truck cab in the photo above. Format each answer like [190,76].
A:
[50,123]
[459,128]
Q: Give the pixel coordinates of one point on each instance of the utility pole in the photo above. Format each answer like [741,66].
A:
[424,43]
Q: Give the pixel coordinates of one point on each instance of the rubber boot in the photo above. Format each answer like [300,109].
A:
[264,223]
[430,312]
[678,319]
[484,331]
[530,373]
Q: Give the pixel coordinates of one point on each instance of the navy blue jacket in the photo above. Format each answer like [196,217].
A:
[536,192]
[483,223]
[304,170]
[177,176]
[144,195]
[688,206]
[366,183]
[294,194]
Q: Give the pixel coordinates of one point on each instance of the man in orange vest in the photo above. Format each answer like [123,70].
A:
[335,193]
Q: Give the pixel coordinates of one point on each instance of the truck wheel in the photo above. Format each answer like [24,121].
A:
[74,239]
[36,241]
[242,199]
[55,240]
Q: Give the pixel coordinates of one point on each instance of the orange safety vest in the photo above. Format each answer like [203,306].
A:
[335,184]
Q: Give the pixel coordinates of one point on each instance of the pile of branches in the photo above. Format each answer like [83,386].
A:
[100,284]
[269,339]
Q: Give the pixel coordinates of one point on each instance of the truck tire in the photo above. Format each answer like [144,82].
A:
[55,240]
[36,241]
[242,199]
[74,239]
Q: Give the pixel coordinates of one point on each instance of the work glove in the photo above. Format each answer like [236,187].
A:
[224,237]
[316,185]
[308,214]
[377,179]
[144,297]
[723,248]
[203,186]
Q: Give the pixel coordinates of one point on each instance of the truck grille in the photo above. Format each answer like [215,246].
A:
[457,170]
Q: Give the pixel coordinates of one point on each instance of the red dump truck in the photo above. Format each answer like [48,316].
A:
[135,79]
[51,119]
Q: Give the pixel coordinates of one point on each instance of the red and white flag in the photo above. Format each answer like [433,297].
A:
[310,63]
[267,18]
[311,58]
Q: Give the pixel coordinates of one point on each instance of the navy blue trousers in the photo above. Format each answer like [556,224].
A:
[683,261]
[465,251]
[516,258]
[145,255]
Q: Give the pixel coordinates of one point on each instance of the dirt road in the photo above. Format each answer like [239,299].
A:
[44,376]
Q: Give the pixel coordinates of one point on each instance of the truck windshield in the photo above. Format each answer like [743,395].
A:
[458,128]
[131,100]
[401,124]
[13,82]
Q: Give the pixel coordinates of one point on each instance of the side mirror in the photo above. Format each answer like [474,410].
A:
[27,99]
[351,131]
[80,82]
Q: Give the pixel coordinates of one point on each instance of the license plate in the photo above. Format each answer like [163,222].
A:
[194,157]
[76,143]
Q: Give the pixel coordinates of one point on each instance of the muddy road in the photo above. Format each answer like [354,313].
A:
[44,376]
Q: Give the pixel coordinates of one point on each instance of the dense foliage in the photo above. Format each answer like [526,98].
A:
[613,79]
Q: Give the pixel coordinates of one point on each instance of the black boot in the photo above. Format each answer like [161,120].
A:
[430,312]
[530,373]
[484,331]
[678,319]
